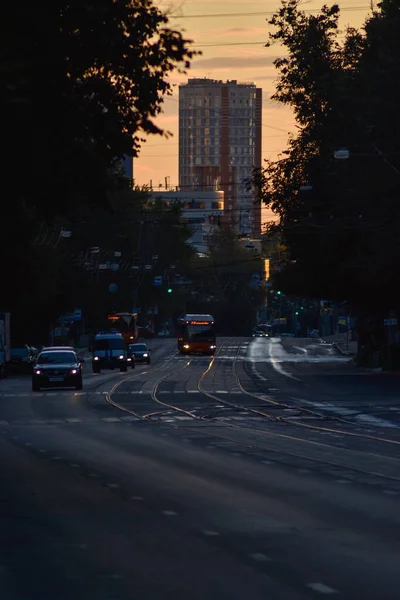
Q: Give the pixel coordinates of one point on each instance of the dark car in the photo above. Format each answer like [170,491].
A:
[23,358]
[57,368]
[146,332]
[141,352]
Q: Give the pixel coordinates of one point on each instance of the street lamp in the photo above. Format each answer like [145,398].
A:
[341,154]
[344,154]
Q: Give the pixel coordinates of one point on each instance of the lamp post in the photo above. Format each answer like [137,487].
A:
[345,154]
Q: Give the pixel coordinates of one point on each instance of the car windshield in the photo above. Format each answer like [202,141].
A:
[57,358]
[138,348]
[111,344]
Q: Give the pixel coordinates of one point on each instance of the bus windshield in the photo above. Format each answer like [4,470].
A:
[204,333]
[123,324]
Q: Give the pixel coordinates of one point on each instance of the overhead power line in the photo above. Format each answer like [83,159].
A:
[260,14]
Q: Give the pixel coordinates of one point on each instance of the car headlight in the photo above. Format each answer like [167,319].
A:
[186,346]
[129,359]
[121,357]
[74,371]
[96,358]
[145,355]
[38,372]
[212,347]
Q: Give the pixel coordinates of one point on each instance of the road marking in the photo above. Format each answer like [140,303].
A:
[169,513]
[22,395]
[193,392]
[113,485]
[79,393]
[137,498]
[56,457]
[343,481]
[221,391]
[4,423]
[210,533]
[111,419]
[259,557]
[74,420]
[74,465]
[321,588]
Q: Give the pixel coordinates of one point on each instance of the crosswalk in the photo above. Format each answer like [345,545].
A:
[66,393]
[69,421]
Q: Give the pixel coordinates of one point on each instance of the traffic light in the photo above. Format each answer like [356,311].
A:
[297,312]
[169,290]
[279,293]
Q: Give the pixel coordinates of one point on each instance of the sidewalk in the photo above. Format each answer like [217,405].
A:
[347,348]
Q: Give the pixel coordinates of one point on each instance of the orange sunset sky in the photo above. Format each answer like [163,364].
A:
[233,47]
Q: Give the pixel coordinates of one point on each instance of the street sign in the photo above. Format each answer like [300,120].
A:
[158,280]
[390,322]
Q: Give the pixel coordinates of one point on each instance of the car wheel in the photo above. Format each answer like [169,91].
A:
[133,366]
[79,385]
[35,387]
[148,362]
[96,369]
[124,369]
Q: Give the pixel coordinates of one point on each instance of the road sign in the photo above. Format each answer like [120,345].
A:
[158,280]
[390,322]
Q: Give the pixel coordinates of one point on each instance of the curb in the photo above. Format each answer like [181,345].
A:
[343,352]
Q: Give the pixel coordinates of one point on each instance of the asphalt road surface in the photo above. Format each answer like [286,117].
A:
[270,471]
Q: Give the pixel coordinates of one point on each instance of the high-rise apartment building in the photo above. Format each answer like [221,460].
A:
[220,144]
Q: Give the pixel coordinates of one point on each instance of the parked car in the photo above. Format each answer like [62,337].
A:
[57,368]
[140,351]
[22,359]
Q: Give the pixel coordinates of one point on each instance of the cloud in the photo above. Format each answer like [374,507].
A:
[233,62]
[225,34]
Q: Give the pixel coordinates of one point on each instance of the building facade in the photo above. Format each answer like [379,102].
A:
[220,144]
[202,211]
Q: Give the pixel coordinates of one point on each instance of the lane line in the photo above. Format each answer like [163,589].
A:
[321,588]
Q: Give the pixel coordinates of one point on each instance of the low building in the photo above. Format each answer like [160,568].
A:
[203,213]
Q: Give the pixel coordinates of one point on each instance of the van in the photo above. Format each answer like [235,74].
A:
[109,352]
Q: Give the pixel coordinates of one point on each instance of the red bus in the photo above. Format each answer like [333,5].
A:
[196,334]
[126,324]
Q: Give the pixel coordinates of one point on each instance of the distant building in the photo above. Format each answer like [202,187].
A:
[220,144]
[202,211]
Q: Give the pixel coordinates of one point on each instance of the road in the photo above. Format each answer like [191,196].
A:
[268,471]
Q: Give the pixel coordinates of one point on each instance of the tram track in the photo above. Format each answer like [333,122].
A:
[167,407]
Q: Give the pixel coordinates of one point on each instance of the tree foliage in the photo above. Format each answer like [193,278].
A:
[81,84]
[339,219]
